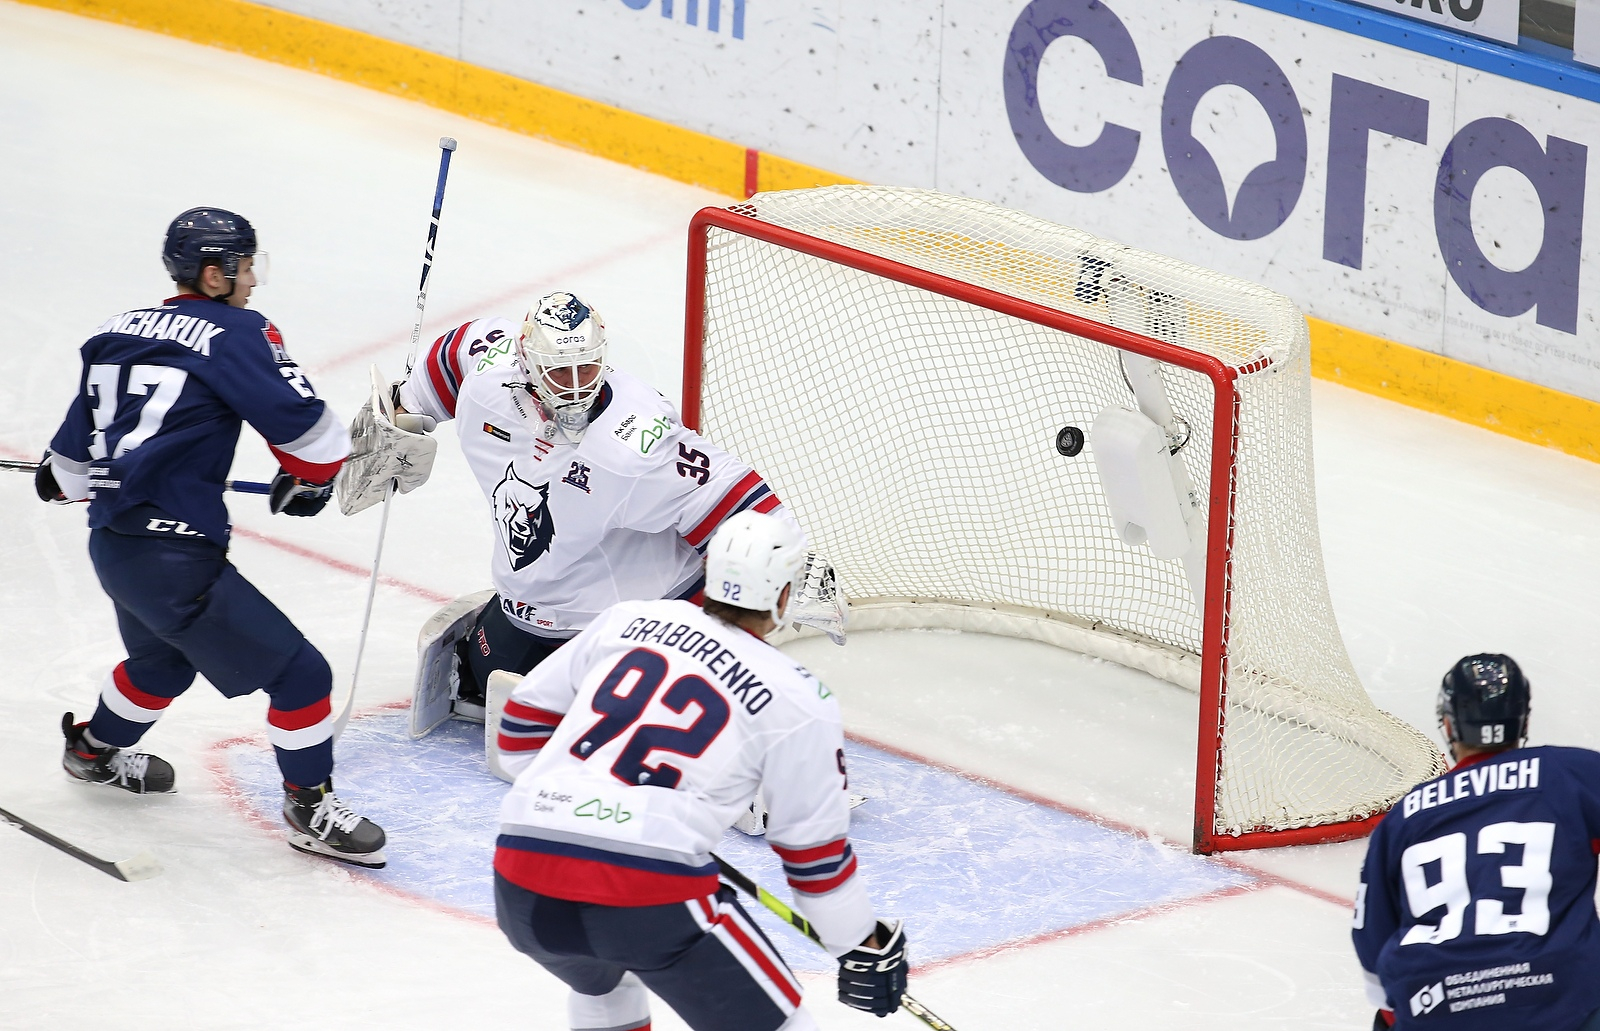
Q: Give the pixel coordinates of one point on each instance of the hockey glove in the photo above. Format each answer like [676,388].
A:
[44,482]
[383,451]
[411,422]
[874,979]
[1383,1020]
[820,603]
[293,496]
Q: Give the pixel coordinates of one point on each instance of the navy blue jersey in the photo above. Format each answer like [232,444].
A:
[1476,906]
[162,396]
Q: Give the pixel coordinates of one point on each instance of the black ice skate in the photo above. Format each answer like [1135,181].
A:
[321,825]
[139,772]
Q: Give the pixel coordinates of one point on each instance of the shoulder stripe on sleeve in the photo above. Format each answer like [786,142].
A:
[748,490]
[444,368]
[315,455]
[819,869]
[524,728]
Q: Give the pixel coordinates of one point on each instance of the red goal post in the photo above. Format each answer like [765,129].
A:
[892,309]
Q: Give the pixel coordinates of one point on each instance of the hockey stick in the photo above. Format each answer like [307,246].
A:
[140,867]
[447,147]
[237,486]
[801,924]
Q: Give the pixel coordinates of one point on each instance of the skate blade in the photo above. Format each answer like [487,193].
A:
[467,712]
[313,847]
[857,801]
[74,778]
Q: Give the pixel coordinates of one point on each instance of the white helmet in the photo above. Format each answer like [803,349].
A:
[559,333]
[751,559]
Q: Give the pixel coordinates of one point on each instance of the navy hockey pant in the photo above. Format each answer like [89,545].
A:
[183,608]
[705,958]
[494,643]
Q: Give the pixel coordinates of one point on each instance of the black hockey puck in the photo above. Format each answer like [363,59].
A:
[1069,441]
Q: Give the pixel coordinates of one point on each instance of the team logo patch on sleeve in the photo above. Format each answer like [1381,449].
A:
[280,354]
[523,515]
[494,431]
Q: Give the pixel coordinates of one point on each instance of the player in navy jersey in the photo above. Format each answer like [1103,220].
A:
[148,441]
[1476,905]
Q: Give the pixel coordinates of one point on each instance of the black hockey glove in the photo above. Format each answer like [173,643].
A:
[44,482]
[871,979]
[296,497]
[1382,1020]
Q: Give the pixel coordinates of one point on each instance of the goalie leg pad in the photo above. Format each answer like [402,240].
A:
[501,684]
[434,687]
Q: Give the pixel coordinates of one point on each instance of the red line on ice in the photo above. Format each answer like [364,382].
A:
[342,566]
[1158,909]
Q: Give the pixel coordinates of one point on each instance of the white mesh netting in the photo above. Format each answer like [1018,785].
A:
[914,436]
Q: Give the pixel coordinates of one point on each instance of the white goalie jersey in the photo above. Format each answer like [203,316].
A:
[637,743]
[621,515]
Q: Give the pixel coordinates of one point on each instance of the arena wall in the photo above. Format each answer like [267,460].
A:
[1419,193]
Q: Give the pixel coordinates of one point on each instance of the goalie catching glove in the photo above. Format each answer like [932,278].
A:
[819,603]
[384,447]
[873,979]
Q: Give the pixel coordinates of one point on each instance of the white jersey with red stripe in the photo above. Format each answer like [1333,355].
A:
[621,515]
[639,742]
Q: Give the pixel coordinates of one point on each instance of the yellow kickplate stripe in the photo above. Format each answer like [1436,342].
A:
[1449,387]
[778,173]
[451,85]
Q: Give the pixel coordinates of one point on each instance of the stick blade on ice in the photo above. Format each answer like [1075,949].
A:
[141,867]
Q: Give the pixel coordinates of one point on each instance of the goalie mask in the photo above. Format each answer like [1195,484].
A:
[751,558]
[563,346]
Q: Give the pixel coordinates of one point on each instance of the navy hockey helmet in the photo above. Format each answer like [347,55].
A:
[1487,699]
[207,236]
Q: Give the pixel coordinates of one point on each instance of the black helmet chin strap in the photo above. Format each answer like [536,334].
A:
[233,281]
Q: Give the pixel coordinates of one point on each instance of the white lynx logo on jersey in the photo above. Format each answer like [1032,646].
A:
[524,517]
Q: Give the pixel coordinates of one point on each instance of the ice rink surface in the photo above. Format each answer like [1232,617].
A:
[1440,540]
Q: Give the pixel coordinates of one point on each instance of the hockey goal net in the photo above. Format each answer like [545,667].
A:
[991,422]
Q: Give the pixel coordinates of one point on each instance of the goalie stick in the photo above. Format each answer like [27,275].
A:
[237,486]
[801,924]
[139,868]
[447,147]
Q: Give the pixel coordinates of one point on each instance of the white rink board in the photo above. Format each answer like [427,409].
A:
[904,92]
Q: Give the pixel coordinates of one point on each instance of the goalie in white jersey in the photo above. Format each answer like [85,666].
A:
[597,491]
[633,748]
